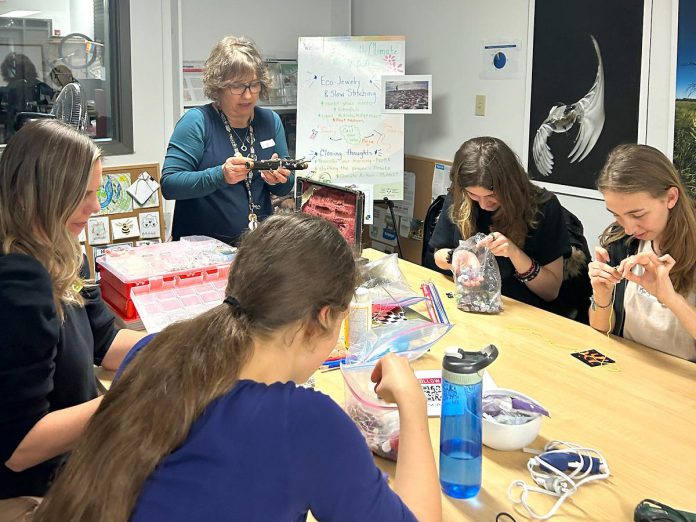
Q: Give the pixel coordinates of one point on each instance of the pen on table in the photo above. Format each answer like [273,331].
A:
[331,365]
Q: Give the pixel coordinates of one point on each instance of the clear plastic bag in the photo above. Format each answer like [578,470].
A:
[477,277]
[410,338]
[377,420]
[386,284]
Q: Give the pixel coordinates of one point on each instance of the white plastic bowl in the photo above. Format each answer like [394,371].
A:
[509,437]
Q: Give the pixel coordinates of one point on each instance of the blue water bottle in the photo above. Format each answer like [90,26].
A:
[460,426]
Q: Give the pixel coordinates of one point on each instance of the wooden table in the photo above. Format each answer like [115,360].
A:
[640,412]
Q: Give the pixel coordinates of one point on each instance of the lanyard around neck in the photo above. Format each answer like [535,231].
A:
[253,218]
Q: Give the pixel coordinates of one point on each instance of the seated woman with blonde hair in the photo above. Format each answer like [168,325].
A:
[54,325]
[643,277]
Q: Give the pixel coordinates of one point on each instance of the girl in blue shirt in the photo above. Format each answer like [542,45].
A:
[207,423]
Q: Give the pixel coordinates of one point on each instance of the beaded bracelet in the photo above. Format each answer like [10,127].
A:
[530,274]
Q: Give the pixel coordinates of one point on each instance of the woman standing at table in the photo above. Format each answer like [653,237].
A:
[54,326]
[208,422]
[204,169]
[643,275]
[525,225]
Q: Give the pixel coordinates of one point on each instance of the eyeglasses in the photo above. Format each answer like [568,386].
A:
[240,88]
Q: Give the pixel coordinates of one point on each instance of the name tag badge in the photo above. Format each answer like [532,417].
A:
[267,143]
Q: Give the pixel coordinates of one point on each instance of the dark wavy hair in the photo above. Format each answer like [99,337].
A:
[489,163]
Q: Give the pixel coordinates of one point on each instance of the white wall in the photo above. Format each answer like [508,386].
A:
[152,84]
[274,25]
[448,47]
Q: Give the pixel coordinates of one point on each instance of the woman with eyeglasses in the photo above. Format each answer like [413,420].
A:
[205,166]
[525,227]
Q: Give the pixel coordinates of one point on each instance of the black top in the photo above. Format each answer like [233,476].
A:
[545,243]
[44,365]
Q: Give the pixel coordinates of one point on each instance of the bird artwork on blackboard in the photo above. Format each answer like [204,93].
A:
[587,112]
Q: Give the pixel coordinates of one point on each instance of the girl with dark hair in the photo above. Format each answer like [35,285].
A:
[643,277]
[54,325]
[525,225]
[207,423]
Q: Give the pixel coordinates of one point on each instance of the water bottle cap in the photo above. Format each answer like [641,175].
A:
[456,360]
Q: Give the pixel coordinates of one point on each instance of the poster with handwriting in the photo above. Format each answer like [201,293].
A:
[340,124]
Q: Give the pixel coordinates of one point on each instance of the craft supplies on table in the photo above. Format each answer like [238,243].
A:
[165,282]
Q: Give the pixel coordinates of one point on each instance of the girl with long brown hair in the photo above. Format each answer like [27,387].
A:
[525,225]
[643,277]
[54,325]
[207,423]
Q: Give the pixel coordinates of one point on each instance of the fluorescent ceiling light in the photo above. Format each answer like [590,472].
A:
[19,14]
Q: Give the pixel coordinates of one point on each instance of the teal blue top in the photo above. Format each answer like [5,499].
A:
[192,174]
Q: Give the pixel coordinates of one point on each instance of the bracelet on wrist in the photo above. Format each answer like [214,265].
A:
[594,304]
[530,274]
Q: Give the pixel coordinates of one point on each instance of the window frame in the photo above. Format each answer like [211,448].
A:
[120,80]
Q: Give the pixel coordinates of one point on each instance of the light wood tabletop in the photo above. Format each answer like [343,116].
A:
[639,412]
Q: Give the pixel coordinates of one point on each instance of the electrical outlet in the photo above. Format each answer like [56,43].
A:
[480,109]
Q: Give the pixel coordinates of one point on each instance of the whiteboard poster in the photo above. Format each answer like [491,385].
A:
[340,124]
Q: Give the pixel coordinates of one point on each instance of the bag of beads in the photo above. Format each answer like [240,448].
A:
[377,420]
[477,277]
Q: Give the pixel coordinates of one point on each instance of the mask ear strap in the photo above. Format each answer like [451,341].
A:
[586,464]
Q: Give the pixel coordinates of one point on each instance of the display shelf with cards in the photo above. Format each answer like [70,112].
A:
[130,215]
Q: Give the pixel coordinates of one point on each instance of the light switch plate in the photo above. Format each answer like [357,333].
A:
[480,109]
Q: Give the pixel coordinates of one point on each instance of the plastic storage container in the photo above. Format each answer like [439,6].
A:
[179,266]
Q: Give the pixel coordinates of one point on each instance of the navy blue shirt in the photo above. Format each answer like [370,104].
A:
[192,174]
[269,453]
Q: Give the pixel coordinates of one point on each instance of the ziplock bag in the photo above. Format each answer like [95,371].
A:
[377,420]
[386,284]
[476,277]
[410,338]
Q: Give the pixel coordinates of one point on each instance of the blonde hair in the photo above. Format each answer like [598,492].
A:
[44,173]
[233,58]
[285,273]
[636,168]
[489,163]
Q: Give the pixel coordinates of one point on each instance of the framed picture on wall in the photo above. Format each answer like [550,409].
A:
[587,87]
[411,94]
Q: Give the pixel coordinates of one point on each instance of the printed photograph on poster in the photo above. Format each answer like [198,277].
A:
[98,231]
[113,194]
[124,228]
[684,156]
[149,224]
[586,83]
[407,94]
